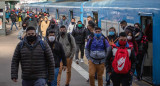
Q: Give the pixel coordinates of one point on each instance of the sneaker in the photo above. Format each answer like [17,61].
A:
[67,85]
[82,60]
[77,61]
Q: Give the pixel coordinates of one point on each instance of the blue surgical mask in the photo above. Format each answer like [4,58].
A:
[111,33]
[98,35]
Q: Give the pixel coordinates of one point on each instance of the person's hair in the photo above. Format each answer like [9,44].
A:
[79,21]
[63,16]
[30,28]
[123,34]
[73,18]
[138,25]
[51,31]
[123,22]
[63,26]
[89,17]
[133,40]
[113,29]
[98,28]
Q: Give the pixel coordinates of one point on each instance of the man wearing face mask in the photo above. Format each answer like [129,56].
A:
[64,21]
[22,32]
[69,46]
[121,61]
[36,59]
[71,26]
[125,27]
[58,54]
[79,33]
[53,27]
[96,53]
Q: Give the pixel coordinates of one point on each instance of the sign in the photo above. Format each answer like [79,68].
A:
[1,23]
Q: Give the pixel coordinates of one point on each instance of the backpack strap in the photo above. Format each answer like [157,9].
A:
[116,39]
[90,42]
[21,44]
[104,43]
[69,38]
[42,45]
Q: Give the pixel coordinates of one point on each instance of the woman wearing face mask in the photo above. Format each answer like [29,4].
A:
[71,26]
[22,32]
[112,38]
[133,43]
[44,25]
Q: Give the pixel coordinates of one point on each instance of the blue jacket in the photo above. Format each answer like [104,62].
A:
[7,15]
[98,51]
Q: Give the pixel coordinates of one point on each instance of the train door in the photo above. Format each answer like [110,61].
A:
[95,17]
[36,10]
[147,28]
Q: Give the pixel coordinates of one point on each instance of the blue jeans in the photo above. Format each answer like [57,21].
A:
[107,78]
[54,82]
[14,23]
[39,82]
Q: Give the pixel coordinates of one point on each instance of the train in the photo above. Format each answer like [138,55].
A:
[109,13]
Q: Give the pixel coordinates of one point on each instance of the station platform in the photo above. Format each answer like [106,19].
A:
[7,47]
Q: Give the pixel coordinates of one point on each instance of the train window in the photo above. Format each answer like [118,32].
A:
[47,10]
[36,10]
[71,14]
[95,17]
[41,10]
[147,28]
[57,14]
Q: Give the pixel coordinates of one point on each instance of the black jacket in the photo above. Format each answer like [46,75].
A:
[35,62]
[55,29]
[79,34]
[13,18]
[58,53]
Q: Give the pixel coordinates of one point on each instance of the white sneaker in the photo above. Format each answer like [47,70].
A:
[82,60]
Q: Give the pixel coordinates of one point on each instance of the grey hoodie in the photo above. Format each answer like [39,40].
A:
[68,48]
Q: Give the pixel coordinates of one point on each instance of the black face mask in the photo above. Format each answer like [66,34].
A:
[31,38]
[62,33]
[24,27]
[52,25]
[73,23]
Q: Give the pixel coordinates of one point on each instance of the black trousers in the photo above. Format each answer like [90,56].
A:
[118,79]
[140,57]
[81,48]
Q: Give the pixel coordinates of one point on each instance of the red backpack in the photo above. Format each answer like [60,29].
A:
[121,63]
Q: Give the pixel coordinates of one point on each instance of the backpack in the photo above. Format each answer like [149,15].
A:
[121,63]
[144,44]
[69,38]
[104,43]
[41,43]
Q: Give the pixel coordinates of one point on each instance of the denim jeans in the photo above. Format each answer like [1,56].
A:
[54,82]
[14,23]
[107,78]
[38,82]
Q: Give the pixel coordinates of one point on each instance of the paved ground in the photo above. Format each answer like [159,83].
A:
[7,46]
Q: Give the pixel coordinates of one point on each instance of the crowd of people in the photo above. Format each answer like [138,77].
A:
[48,47]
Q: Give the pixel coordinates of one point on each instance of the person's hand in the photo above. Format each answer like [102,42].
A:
[85,40]
[131,73]
[109,73]
[15,80]
[64,68]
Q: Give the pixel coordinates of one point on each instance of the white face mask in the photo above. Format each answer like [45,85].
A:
[129,37]
[51,38]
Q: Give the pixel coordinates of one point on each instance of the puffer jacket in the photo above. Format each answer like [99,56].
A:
[80,34]
[97,51]
[35,61]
